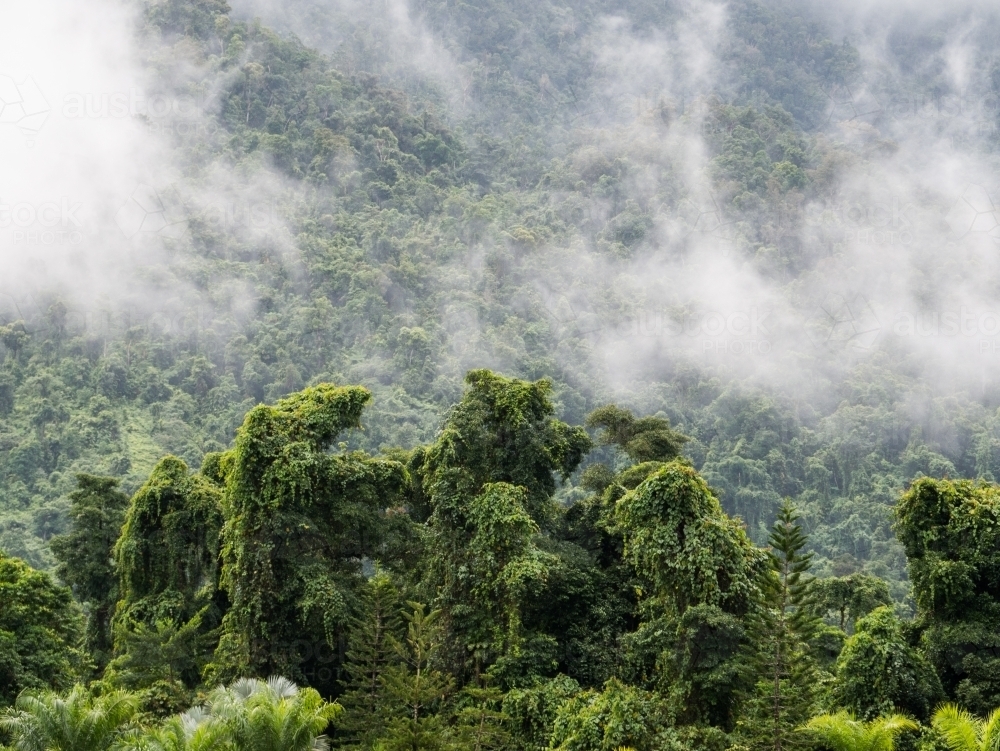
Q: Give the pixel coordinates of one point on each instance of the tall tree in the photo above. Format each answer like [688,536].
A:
[370,653]
[299,520]
[167,561]
[489,479]
[879,672]
[86,556]
[787,693]
[950,531]
[415,688]
[704,583]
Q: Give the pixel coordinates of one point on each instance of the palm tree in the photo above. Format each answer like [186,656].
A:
[45,721]
[842,732]
[273,715]
[195,730]
[963,731]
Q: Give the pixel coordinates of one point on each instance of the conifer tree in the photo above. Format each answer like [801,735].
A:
[415,690]
[369,654]
[786,693]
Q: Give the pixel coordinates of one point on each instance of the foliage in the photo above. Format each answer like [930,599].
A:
[618,716]
[962,731]
[705,581]
[842,732]
[791,682]
[167,561]
[85,556]
[951,534]
[298,521]
[40,632]
[850,597]
[489,479]
[880,673]
[78,721]
[369,654]
[272,715]
[415,689]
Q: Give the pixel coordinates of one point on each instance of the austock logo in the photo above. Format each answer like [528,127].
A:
[23,106]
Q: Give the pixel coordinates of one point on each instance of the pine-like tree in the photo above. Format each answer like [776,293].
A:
[786,693]
[415,690]
[369,654]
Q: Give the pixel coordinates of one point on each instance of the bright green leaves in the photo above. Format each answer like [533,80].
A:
[686,548]
[618,716]
[299,521]
[272,715]
[76,722]
[842,732]
[40,627]
[879,672]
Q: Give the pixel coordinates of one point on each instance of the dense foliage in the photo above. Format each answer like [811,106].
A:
[394,502]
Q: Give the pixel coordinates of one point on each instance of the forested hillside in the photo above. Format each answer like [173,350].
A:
[520,375]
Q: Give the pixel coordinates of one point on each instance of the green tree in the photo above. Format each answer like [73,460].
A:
[40,631]
[86,556]
[786,696]
[481,722]
[489,479]
[842,732]
[77,721]
[963,731]
[704,583]
[850,597]
[298,522]
[879,672]
[950,531]
[273,715]
[415,689]
[370,653]
[607,720]
[644,439]
[167,561]
[194,730]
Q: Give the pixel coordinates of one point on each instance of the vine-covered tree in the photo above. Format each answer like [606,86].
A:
[703,584]
[489,479]
[950,531]
[168,565]
[299,520]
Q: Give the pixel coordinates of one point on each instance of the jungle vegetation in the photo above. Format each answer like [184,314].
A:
[399,506]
